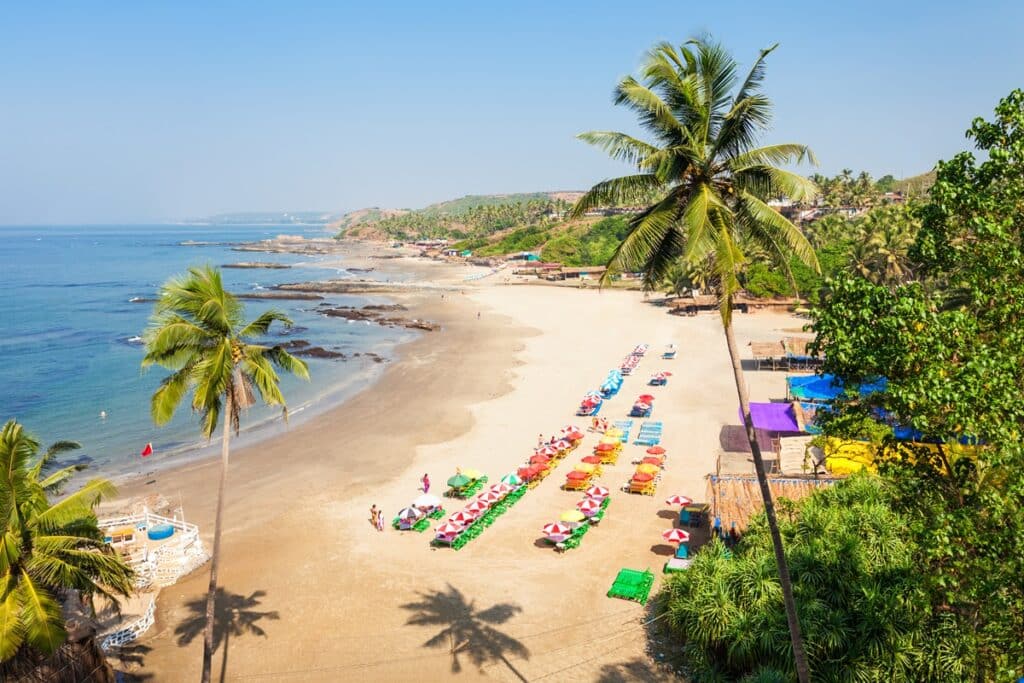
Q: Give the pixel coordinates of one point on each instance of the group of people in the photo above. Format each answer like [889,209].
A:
[377,515]
[599,425]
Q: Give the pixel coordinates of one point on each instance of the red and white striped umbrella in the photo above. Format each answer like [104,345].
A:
[676,535]
[569,429]
[462,517]
[489,498]
[503,489]
[450,529]
[476,507]
[546,450]
[561,444]
[556,529]
[599,492]
[589,506]
[681,501]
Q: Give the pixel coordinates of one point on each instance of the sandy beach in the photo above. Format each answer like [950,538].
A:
[312,593]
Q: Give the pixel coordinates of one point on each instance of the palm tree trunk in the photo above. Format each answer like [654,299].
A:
[211,595]
[799,657]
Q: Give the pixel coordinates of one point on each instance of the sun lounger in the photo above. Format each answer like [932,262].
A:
[632,584]
[676,564]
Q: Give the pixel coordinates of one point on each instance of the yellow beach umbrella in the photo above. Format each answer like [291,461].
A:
[572,516]
[585,467]
[610,440]
[614,432]
[473,474]
[648,468]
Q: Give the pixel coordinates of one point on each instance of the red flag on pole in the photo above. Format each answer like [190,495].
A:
[148,450]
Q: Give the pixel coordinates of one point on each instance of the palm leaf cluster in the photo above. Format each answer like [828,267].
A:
[48,548]
[862,607]
[702,158]
[198,332]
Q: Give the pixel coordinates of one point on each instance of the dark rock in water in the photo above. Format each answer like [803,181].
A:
[294,344]
[280,296]
[373,356]
[318,352]
[360,270]
[348,313]
[256,264]
[385,307]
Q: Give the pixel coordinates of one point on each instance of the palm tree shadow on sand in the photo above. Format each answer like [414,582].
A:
[467,631]
[235,615]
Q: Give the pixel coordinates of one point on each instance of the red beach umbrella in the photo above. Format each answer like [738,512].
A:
[539,459]
[651,460]
[676,535]
[592,460]
[666,373]
[645,398]
[604,447]
[599,492]
[462,517]
[576,475]
[450,529]
[681,501]
[556,529]
[588,506]
[656,450]
[642,477]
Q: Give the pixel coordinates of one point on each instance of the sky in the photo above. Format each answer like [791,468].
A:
[133,112]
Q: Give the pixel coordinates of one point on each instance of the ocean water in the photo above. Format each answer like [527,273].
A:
[69,329]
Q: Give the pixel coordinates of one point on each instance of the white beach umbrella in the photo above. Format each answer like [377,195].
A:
[427,500]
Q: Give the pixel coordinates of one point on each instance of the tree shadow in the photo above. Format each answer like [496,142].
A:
[467,630]
[633,670]
[234,615]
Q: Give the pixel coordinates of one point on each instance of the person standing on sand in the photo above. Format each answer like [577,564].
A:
[373,515]
[380,520]
[426,484]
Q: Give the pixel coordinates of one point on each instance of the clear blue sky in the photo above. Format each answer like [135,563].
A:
[132,111]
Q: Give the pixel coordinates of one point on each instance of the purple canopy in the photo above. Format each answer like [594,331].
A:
[773,417]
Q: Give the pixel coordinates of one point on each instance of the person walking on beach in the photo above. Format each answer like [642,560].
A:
[540,440]
[380,520]
[426,484]
[373,515]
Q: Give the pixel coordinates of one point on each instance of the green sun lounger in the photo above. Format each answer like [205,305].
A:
[632,584]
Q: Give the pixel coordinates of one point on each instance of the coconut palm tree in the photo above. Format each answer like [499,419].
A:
[48,549]
[198,333]
[713,182]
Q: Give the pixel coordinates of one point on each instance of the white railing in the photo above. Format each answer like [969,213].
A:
[128,633]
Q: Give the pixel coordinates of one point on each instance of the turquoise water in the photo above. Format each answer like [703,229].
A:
[69,328]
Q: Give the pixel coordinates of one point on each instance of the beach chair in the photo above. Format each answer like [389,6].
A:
[632,584]
[576,484]
[676,564]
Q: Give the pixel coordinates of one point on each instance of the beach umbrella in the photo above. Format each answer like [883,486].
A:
[547,450]
[574,436]
[592,459]
[556,529]
[604,447]
[511,480]
[490,497]
[539,459]
[463,517]
[676,535]
[648,468]
[681,501]
[562,444]
[408,513]
[473,474]
[645,398]
[458,481]
[585,467]
[450,528]
[589,506]
[652,460]
[656,450]
[666,373]
[614,432]
[502,489]
[572,516]
[613,440]
[597,492]
[576,475]
[427,500]
[477,507]
[643,477]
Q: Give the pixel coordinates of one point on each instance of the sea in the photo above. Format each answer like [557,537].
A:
[75,300]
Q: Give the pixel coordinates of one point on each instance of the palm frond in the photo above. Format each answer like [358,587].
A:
[167,397]
[615,191]
[12,631]
[774,155]
[40,616]
[287,362]
[260,326]
[619,146]
[655,115]
[652,244]
[767,182]
[782,231]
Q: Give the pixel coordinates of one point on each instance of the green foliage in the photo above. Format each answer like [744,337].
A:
[861,604]
[592,246]
[198,333]
[951,348]
[47,548]
[523,239]
[762,281]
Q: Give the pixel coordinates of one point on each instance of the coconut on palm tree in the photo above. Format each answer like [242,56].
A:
[48,549]
[197,331]
[714,183]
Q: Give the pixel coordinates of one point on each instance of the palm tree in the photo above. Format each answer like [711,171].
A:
[197,331]
[713,182]
[48,549]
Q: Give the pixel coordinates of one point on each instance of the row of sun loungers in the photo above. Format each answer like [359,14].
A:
[650,434]
[463,526]
[567,533]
